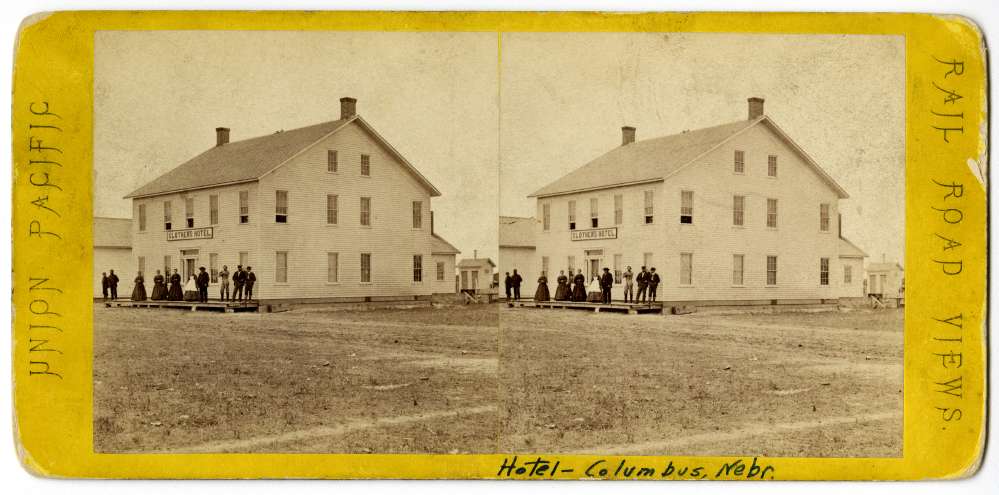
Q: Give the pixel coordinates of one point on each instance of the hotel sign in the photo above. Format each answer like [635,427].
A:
[593,234]
[188,234]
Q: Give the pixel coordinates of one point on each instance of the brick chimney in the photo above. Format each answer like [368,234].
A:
[221,136]
[348,107]
[755,107]
[627,135]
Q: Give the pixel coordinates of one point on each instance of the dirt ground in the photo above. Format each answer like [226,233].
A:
[482,378]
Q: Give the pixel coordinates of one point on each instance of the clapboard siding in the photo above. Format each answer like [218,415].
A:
[447,285]
[712,238]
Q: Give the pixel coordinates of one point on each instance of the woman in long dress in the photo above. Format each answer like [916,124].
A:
[176,292]
[159,288]
[579,287]
[139,292]
[191,289]
[562,291]
[542,294]
[593,292]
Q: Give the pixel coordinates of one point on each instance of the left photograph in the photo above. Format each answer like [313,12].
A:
[294,242]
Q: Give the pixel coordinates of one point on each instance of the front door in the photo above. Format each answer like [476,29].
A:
[594,268]
[189,268]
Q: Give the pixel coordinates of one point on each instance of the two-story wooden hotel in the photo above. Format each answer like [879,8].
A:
[736,212]
[326,212]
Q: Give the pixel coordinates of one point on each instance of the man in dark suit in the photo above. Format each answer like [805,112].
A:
[250,279]
[237,283]
[202,283]
[517,279]
[606,282]
[106,284]
[113,284]
[508,283]
[643,284]
[653,284]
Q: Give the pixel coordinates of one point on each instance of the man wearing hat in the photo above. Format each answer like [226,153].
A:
[202,282]
[237,283]
[606,282]
[249,278]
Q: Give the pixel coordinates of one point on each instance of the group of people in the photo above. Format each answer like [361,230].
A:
[196,288]
[598,290]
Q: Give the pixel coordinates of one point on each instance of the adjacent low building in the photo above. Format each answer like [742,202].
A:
[886,281]
[328,212]
[517,246]
[476,275]
[113,251]
[851,258]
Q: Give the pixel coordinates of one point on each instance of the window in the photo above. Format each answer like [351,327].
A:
[824,217]
[167,216]
[544,266]
[213,209]
[366,165]
[142,264]
[417,268]
[244,258]
[617,268]
[740,162]
[440,271]
[737,269]
[618,209]
[823,271]
[332,267]
[686,268]
[686,206]
[331,161]
[281,206]
[772,213]
[167,263]
[647,260]
[244,206]
[142,218]
[771,270]
[366,211]
[572,215]
[281,267]
[546,216]
[572,265]
[772,166]
[594,213]
[189,211]
[213,267]
[365,268]
[648,207]
[847,274]
[332,209]
[417,214]
[738,210]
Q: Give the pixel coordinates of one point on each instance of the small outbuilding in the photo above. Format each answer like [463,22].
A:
[886,281]
[476,275]
[113,251]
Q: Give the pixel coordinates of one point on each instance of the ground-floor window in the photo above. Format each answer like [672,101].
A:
[737,269]
[771,270]
[167,264]
[244,258]
[365,267]
[213,267]
[647,260]
[617,268]
[824,271]
[332,267]
[142,265]
[847,274]
[544,266]
[440,270]
[417,268]
[686,268]
[281,267]
[572,265]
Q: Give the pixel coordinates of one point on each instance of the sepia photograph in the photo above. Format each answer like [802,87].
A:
[451,243]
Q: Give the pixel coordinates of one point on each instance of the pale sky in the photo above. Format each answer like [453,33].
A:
[565,97]
[158,96]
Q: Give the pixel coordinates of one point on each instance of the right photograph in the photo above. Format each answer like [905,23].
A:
[702,244]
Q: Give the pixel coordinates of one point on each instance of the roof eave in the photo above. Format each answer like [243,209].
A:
[538,194]
[133,195]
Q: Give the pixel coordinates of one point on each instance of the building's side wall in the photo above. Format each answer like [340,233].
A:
[855,288]
[307,238]
[445,285]
[229,236]
[712,239]
[522,259]
[118,259]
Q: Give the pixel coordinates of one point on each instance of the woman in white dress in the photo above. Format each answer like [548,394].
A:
[593,292]
[191,290]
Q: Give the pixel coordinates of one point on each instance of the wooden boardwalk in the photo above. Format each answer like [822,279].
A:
[615,306]
[225,306]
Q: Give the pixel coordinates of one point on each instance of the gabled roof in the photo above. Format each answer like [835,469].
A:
[250,159]
[517,232]
[884,267]
[113,232]
[475,262]
[848,249]
[439,246]
[656,159]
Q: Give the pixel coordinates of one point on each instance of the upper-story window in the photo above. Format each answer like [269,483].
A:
[824,217]
[618,209]
[244,206]
[213,209]
[740,162]
[772,166]
[738,210]
[594,213]
[332,209]
[331,161]
[649,209]
[772,213]
[189,211]
[281,206]
[686,206]
[365,211]
[417,214]
[142,218]
[167,216]
[572,215]
[546,216]
[366,165]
